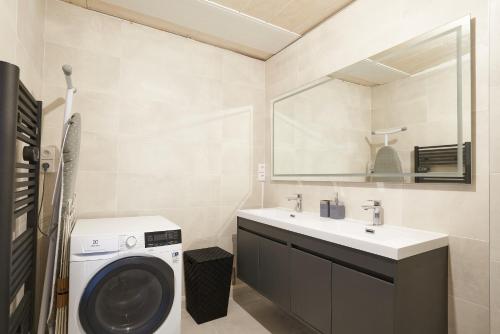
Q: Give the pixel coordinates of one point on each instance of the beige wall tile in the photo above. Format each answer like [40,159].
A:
[236,188]
[495,216]
[96,194]
[495,297]
[69,26]
[98,152]
[21,33]
[242,70]
[467,318]
[469,270]
[51,135]
[162,116]
[99,111]
[494,127]
[207,61]
[8,34]
[150,192]
[434,207]
[91,71]
[30,22]
[204,191]
[146,45]
[481,143]
[30,70]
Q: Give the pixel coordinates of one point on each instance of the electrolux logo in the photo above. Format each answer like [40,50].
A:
[95,243]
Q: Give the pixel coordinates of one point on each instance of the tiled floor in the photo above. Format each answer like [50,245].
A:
[248,313]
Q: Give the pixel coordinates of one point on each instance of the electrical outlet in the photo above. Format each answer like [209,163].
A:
[48,156]
[261,172]
[261,176]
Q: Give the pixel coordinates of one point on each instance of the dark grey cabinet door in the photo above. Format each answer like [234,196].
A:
[361,303]
[248,257]
[274,275]
[311,289]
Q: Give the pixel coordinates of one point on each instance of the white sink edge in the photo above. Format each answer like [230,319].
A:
[434,240]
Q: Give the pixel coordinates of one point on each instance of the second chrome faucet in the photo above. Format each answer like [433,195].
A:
[378,215]
[298,199]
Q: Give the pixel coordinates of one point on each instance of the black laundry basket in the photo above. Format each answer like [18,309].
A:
[207,276]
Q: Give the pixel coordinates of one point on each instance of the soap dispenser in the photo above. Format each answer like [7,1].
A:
[337,209]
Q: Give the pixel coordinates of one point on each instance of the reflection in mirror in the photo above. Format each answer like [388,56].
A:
[399,116]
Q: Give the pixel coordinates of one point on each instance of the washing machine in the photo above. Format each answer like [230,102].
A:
[125,276]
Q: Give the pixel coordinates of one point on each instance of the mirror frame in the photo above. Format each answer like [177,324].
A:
[463,24]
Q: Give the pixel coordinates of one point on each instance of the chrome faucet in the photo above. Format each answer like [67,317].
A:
[377,212]
[298,198]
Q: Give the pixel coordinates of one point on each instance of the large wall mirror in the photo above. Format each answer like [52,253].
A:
[403,115]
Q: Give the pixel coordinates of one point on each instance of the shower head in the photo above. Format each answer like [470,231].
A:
[68,70]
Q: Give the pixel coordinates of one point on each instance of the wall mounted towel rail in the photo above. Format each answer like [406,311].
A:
[20,131]
[428,158]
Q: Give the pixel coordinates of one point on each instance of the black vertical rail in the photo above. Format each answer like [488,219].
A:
[9,91]
[467,163]
[20,122]
[416,159]
[32,222]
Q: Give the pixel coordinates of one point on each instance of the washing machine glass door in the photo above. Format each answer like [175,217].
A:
[132,295]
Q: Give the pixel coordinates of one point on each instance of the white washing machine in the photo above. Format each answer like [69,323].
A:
[125,276]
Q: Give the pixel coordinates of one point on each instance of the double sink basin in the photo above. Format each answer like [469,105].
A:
[390,241]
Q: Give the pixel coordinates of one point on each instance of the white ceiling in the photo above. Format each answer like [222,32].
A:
[257,28]
[216,20]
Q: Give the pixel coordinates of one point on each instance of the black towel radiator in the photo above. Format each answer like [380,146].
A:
[20,131]
[429,157]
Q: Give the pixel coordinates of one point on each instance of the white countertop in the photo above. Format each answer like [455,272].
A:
[391,241]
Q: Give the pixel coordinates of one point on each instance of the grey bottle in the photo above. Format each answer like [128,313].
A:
[324,208]
[337,209]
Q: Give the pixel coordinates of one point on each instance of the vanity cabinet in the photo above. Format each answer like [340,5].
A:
[248,257]
[340,290]
[263,263]
[311,289]
[274,272]
[362,303]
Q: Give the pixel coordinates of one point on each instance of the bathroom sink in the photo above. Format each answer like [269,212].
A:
[395,242]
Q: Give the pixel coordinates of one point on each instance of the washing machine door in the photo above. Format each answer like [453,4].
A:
[132,295]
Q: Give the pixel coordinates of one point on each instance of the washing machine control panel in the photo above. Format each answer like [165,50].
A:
[162,238]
